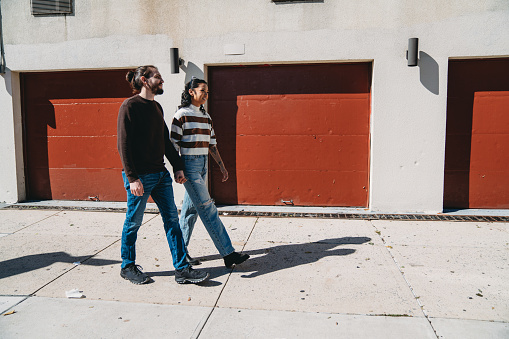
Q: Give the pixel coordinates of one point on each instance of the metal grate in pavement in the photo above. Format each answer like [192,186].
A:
[418,217]
[325,215]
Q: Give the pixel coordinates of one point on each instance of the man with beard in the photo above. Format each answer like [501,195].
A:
[143,141]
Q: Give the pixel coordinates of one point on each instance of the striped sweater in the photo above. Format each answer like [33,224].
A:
[192,131]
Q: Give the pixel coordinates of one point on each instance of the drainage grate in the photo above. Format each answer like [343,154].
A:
[414,217]
[325,215]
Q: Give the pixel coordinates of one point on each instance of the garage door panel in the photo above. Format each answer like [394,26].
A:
[76,85]
[70,133]
[278,125]
[457,109]
[226,113]
[41,121]
[469,76]
[105,184]
[40,158]
[356,119]
[490,152]
[83,152]
[455,194]
[489,189]
[261,152]
[477,140]
[291,79]
[293,114]
[304,188]
[491,113]
[84,117]
[40,184]
[458,152]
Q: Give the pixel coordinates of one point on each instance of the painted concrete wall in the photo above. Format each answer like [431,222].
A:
[408,103]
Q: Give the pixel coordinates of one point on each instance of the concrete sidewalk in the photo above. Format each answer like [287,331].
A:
[307,278]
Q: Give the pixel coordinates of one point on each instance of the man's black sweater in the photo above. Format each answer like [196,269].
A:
[143,138]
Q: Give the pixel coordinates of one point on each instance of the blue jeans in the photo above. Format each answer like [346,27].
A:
[157,185]
[197,201]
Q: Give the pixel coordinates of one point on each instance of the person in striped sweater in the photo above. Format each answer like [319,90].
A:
[193,136]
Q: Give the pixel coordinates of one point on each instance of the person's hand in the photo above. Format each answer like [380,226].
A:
[137,188]
[179,177]
[225,174]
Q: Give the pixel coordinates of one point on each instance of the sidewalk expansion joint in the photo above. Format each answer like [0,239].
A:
[201,326]
[72,268]
[38,221]
[416,297]
[25,297]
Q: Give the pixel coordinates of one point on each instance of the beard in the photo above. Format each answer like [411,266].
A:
[156,89]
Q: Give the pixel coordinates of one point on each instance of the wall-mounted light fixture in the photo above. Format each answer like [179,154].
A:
[175,61]
[412,52]
[2,53]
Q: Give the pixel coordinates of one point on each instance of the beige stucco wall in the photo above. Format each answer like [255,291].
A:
[408,103]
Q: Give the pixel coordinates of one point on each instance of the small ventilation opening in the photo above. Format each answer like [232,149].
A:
[47,7]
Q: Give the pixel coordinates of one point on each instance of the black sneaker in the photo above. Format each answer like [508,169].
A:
[234,258]
[134,274]
[192,261]
[188,274]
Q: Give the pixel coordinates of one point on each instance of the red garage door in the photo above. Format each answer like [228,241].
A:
[70,134]
[477,142]
[292,134]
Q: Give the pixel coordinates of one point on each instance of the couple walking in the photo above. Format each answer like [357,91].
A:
[143,139]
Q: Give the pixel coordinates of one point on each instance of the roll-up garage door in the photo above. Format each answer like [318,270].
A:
[292,134]
[70,133]
[477,141]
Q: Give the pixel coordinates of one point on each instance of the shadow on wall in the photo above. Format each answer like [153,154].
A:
[428,71]
[192,70]
[8,80]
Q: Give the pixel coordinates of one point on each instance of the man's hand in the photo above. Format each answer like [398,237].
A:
[179,177]
[137,188]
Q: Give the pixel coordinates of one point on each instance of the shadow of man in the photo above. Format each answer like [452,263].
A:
[33,262]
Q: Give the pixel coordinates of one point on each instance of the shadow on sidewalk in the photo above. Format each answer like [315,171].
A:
[276,258]
[287,256]
[33,262]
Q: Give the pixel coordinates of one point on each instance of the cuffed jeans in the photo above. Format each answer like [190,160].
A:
[157,185]
[197,202]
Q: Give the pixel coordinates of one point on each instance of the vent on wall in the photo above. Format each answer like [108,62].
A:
[46,7]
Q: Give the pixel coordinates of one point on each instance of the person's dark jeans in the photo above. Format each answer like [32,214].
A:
[159,186]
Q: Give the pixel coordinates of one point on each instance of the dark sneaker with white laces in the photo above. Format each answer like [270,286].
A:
[235,258]
[134,274]
[190,275]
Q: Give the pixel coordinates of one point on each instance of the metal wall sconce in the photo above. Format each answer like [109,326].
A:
[175,61]
[412,52]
